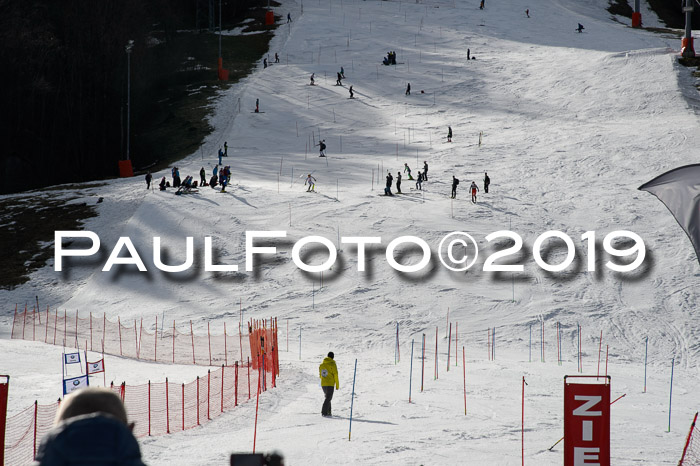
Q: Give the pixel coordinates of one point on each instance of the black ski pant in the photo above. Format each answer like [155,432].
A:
[454,191]
[486,188]
[398,186]
[328,392]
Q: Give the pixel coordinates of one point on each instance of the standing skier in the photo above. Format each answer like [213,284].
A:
[455,182]
[225,149]
[398,182]
[221,154]
[580,28]
[406,168]
[322,148]
[468,52]
[449,134]
[408,89]
[342,72]
[352,94]
[149,177]
[202,177]
[419,181]
[473,188]
[425,170]
[487,182]
[311,181]
[312,79]
[277,58]
[338,81]
[264,63]
[389,181]
[328,372]
[289,17]
[257,110]
[162,184]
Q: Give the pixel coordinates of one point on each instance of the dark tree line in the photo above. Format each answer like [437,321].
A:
[63,80]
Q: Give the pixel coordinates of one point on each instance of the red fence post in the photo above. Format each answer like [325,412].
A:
[46,333]
[167,408]
[149,408]
[183,406]
[209,340]
[4,390]
[235,393]
[208,391]
[24,322]
[155,343]
[90,330]
[225,346]
[136,340]
[36,409]
[173,341]
[222,388]
[248,378]
[197,400]
[104,330]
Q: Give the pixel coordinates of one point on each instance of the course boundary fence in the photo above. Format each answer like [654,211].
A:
[166,345]
[155,408]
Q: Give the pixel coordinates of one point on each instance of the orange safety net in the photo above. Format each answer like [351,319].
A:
[155,408]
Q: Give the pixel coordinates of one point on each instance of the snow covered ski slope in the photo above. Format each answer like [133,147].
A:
[571,124]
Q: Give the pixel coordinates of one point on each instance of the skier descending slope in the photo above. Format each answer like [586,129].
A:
[455,182]
[473,188]
[389,181]
[322,148]
[406,168]
[487,182]
[311,181]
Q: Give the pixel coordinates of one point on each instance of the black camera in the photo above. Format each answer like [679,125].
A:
[257,459]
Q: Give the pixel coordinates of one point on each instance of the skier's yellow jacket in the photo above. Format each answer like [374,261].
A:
[328,373]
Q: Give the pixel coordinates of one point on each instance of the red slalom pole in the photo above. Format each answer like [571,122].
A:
[606,360]
[600,347]
[522,426]
[449,342]
[257,403]
[456,343]
[436,353]
[464,372]
[422,365]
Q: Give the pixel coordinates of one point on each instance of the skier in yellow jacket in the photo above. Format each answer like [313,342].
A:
[328,372]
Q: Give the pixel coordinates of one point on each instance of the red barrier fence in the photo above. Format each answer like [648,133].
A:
[156,408]
[130,339]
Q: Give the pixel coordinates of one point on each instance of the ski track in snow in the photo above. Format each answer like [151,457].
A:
[572,124]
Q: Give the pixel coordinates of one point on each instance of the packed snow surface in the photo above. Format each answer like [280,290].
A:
[570,125]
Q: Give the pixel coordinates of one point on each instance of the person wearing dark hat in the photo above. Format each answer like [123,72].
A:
[328,372]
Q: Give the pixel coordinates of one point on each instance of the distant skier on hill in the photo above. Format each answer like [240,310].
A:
[312,79]
[389,181]
[277,58]
[162,184]
[149,177]
[455,182]
[225,148]
[406,168]
[257,110]
[311,181]
[289,17]
[352,94]
[221,154]
[580,28]
[342,72]
[419,181]
[487,182]
[408,89]
[339,82]
[425,170]
[202,177]
[264,63]
[398,182]
[449,134]
[473,188]
[322,148]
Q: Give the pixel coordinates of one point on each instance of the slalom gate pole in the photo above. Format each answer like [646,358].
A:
[456,343]
[670,395]
[488,342]
[396,344]
[464,373]
[410,378]
[449,343]
[542,340]
[300,343]
[257,403]
[559,340]
[493,345]
[422,364]
[606,360]
[352,399]
[530,346]
[600,347]
[436,353]
[646,347]
[522,425]
[447,321]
